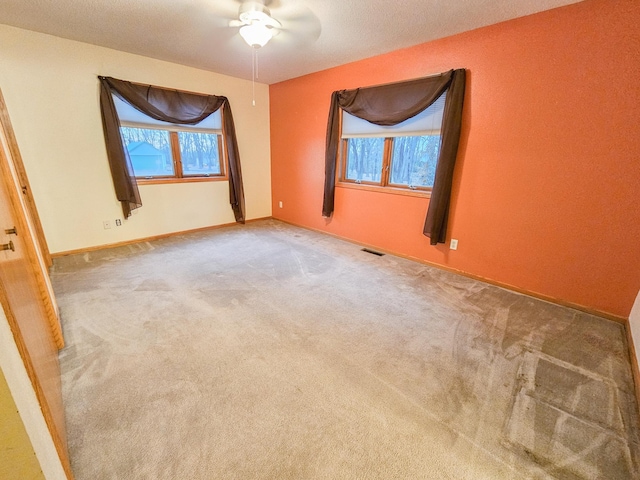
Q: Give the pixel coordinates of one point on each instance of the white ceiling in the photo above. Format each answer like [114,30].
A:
[317,34]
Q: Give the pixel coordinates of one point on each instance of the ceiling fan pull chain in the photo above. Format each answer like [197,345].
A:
[253,75]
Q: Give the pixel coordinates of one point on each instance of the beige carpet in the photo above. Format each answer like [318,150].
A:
[269,352]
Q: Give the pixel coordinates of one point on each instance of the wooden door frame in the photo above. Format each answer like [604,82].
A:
[18,187]
[23,180]
[36,268]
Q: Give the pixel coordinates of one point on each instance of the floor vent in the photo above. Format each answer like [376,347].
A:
[373,252]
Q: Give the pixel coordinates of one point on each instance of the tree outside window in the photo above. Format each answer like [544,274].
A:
[403,162]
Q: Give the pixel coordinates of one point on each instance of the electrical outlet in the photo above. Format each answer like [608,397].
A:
[118,222]
[106,224]
[454,244]
[280,204]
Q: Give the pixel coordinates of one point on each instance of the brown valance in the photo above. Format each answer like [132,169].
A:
[392,104]
[173,106]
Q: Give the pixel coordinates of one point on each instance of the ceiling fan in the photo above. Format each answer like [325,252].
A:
[257,25]
[297,23]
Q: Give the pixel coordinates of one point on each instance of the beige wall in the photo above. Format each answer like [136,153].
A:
[51,91]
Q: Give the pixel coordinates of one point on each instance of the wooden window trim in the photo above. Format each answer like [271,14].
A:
[386,162]
[388,189]
[190,179]
[221,155]
[342,171]
[385,185]
[179,175]
[175,154]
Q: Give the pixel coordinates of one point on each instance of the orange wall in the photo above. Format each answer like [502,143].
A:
[547,185]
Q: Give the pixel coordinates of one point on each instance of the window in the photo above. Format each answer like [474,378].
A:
[402,156]
[161,151]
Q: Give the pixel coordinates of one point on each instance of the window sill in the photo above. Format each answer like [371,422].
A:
[391,190]
[157,181]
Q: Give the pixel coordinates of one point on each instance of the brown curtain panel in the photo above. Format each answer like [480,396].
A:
[173,106]
[392,104]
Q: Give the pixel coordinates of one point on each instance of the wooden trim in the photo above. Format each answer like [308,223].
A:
[58,442]
[384,185]
[506,286]
[390,190]
[16,158]
[176,156]
[25,226]
[386,161]
[150,239]
[187,179]
[222,155]
[341,172]
[633,358]
[496,283]
[48,321]
[175,153]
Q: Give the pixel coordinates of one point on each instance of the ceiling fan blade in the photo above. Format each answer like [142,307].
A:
[226,13]
[271,4]
[225,8]
[298,21]
[271,22]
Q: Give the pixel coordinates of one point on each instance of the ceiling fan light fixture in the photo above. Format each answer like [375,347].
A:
[256,35]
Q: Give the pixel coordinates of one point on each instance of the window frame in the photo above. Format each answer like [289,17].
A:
[385,185]
[174,142]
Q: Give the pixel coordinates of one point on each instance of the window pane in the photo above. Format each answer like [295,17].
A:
[199,153]
[414,160]
[149,150]
[364,159]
